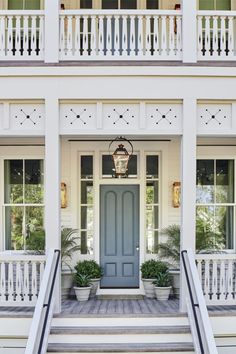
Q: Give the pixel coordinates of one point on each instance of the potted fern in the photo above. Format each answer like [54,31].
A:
[69,244]
[93,270]
[82,286]
[162,286]
[170,252]
[149,271]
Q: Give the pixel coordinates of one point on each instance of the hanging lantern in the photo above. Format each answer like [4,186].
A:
[121,157]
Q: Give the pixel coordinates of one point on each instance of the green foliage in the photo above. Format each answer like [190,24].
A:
[170,250]
[81,280]
[90,268]
[163,279]
[36,242]
[209,237]
[151,268]
[69,244]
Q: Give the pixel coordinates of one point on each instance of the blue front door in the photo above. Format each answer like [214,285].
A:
[119,230]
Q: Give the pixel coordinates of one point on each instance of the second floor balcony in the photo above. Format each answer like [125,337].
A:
[85,35]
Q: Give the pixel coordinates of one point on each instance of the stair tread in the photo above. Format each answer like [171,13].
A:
[119,329]
[118,347]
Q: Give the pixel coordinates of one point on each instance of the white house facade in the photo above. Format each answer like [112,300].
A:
[77,76]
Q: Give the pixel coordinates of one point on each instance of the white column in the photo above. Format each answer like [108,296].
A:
[189,31]
[52,185]
[51,31]
[188,186]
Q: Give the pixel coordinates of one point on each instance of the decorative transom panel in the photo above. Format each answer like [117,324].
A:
[121,116]
[27,116]
[78,116]
[214,117]
[165,116]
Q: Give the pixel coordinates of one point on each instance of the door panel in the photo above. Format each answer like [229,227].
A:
[119,234]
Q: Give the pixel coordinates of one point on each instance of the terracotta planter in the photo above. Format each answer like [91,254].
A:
[94,287]
[149,288]
[82,294]
[162,293]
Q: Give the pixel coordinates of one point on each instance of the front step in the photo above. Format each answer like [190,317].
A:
[121,348]
[121,335]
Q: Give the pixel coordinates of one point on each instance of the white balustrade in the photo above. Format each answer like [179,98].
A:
[21,35]
[216,35]
[20,278]
[217,273]
[120,34]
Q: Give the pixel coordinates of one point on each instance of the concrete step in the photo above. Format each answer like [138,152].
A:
[121,348]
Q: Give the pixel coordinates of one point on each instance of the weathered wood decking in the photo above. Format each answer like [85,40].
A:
[117,307]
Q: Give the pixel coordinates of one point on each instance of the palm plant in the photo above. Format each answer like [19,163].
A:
[69,244]
[170,249]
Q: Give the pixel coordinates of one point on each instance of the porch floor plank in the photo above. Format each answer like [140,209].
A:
[117,307]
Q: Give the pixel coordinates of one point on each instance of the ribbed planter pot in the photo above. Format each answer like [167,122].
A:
[82,294]
[162,293]
[66,284]
[94,287]
[175,274]
[149,288]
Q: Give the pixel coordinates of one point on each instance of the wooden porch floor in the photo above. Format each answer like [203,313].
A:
[117,307]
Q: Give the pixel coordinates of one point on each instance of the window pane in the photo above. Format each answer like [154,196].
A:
[151,241]
[152,4]
[128,4]
[34,228]
[14,239]
[87,217]
[214,228]
[15,4]
[223,4]
[86,167]
[152,192]
[224,181]
[152,166]
[86,242]
[86,192]
[86,4]
[152,217]
[13,181]
[206,5]
[224,225]
[109,4]
[32,4]
[34,181]
[205,181]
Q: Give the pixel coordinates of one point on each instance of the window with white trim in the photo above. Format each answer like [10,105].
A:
[152,203]
[24,204]
[215,204]
[86,196]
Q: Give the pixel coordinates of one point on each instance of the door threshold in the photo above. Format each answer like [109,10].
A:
[119,291]
[120,297]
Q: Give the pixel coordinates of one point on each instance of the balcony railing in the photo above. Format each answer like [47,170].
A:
[21,35]
[216,35]
[115,35]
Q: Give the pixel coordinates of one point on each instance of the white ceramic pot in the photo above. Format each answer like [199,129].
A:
[149,288]
[82,294]
[162,293]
